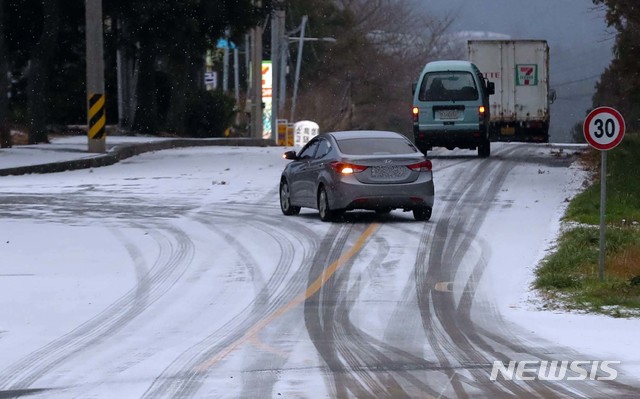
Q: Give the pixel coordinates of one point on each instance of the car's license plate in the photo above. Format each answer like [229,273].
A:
[388,172]
[448,114]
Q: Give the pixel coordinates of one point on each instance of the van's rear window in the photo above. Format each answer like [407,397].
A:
[376,146]
[448,86]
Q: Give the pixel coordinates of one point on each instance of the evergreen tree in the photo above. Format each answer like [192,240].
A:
[5,132]
[619,85]
[168,40]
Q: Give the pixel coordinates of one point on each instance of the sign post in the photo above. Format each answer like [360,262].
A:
[603,129]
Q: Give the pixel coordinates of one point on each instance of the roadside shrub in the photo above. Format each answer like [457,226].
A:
[208,114]
[577,133]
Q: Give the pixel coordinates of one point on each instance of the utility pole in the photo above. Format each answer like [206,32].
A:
[236,75]
[298,62]
[284,56]
[256,82]
[96,117]
[225,62]
[277,45]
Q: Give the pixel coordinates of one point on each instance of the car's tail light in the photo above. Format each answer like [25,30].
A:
[424,166]
[347,168]
[416,112]
[481,111]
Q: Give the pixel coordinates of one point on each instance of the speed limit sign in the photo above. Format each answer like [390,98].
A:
[604,128]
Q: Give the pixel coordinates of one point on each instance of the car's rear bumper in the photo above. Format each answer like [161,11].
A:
[348,193]
[467,138]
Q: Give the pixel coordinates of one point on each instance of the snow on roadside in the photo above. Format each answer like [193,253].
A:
[598,337]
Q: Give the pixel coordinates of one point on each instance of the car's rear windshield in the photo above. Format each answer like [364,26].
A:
[376,146]
[448,86]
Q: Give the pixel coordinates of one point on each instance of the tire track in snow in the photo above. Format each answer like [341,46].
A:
[187,374]
[175,254]
[453,335]
[361,365]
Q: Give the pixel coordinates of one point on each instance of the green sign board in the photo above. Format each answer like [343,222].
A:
[526,74]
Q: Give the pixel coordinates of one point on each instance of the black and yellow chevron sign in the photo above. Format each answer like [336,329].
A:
[97,116]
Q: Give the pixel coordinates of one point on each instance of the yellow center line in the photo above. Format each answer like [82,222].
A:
[255,341]
[310,291]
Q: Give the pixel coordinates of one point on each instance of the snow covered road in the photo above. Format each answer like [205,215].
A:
[174,274]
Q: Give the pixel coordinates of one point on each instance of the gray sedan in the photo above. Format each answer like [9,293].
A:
[340,171]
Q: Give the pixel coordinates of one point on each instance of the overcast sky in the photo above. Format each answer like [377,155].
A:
[579,41]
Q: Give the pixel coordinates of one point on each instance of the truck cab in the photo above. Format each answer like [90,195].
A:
[451,107]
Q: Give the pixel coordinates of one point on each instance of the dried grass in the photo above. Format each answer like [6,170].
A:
[625,263]
[19,137]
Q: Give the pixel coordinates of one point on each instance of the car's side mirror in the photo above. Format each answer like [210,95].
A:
[414,86]
[552,96]
[491,88]
[290,155]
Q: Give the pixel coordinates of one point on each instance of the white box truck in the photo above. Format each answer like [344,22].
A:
[520,70]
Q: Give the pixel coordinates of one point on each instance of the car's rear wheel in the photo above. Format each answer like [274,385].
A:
[422,213]
[326,213]
[285,200]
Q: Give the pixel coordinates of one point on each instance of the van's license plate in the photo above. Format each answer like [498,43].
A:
[448,114]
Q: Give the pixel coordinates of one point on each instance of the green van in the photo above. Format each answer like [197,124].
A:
[451,107]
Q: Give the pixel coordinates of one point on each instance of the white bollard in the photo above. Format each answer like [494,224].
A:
[303,131]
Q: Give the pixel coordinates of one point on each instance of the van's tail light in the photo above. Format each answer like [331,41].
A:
[481,111]
[424,166]
[347,168]
[416,112]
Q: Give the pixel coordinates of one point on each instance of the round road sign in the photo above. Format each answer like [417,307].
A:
[604,128]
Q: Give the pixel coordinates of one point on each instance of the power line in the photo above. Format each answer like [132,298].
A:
[577,80]
[574,96]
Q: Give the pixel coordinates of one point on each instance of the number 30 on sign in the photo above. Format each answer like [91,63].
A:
[604,128]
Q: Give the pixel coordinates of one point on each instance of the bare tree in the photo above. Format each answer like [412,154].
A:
[367,76]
